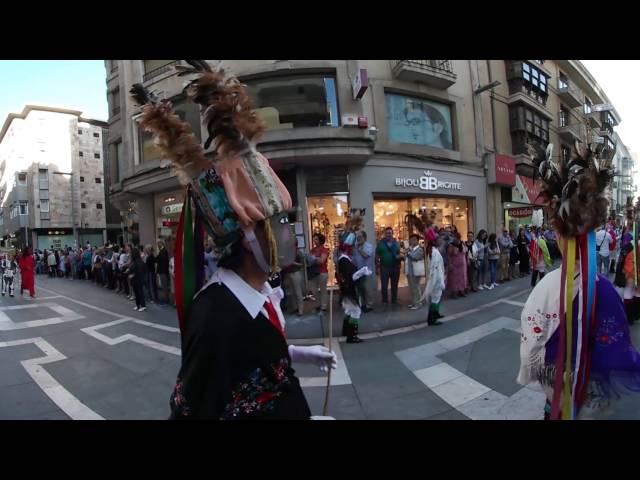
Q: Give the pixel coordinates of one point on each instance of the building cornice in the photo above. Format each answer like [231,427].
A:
[41,108]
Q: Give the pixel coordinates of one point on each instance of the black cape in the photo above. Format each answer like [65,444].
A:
[234,366]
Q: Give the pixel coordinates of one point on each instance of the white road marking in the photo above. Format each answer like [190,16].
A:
[128,337]
[513,302]
[470,397]
[340,376]
[65,315]
[68,403]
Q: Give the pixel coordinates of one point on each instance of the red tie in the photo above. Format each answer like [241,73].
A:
[273,317]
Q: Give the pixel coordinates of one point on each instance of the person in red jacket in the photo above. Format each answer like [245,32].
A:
[27,270]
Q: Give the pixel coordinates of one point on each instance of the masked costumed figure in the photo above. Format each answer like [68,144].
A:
[348,274]
[236,363]
[436,278]
[9,273]
[436,283]
[575,336]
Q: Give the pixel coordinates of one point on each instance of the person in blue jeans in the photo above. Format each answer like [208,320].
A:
[493,255]
[478,253]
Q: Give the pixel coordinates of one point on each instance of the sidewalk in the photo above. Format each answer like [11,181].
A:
[312,325]
[386,317]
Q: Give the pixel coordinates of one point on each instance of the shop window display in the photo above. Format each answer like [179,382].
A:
[327,216]
[391,212]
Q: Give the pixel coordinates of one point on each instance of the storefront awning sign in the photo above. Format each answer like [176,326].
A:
[427,182]
[526,191]
[173,208]
[520,212]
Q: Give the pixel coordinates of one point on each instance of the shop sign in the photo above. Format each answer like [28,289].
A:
[502,171]
[168,223]
[360,83]
[427,182]
[520,212]
[526,191]
[173,208]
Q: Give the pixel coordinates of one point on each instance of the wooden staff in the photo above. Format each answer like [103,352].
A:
[326,393]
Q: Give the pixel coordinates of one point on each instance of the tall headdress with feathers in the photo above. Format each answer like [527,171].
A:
[355,218]
[574,193]
[232,187]
[421,223]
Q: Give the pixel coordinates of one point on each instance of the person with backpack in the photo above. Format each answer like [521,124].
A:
[603,242]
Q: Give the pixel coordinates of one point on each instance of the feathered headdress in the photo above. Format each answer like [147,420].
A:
[573,190]
[231,189]
[420,222]
[355,217]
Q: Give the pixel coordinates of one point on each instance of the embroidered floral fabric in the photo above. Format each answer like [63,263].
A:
[258,394]
[615,363]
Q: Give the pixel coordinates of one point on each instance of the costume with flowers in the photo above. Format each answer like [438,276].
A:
[575,336]
[236,363]
[348,274]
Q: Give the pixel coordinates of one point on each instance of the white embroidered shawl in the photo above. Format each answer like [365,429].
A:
[539,320]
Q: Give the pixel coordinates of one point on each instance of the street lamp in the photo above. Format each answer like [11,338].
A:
[73,207]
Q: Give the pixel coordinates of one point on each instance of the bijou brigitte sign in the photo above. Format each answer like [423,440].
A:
[427,182]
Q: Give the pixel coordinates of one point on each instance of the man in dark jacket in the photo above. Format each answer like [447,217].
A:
[162,269]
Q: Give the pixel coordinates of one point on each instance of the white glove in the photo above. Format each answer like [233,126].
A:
[361,273]
[316,354]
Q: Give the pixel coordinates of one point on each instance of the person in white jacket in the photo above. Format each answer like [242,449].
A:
[435,283]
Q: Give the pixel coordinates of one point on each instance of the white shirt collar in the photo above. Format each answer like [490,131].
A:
[250,298]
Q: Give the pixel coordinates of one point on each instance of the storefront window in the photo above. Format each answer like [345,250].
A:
[448,212]
[391,212]
[327,216]
[295,101]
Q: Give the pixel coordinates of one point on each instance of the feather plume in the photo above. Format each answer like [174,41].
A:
[573,189]
[227,109]
[173,136]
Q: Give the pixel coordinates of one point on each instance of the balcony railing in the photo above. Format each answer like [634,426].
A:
[437,73]
[569,94]
[160,70]
[427,64]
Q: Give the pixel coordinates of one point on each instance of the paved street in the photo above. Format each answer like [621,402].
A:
[79,351]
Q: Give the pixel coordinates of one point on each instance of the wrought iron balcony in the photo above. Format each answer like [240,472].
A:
[437,73]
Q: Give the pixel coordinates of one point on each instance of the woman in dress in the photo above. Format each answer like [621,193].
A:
[457,275]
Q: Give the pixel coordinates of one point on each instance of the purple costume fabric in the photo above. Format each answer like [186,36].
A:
[615,363]
[626,238]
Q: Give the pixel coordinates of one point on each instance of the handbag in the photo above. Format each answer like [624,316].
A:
[418,268]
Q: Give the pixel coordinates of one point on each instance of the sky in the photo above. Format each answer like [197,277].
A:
[75,84]
[618,80]
[81,84]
